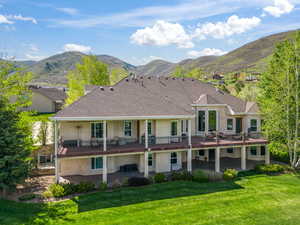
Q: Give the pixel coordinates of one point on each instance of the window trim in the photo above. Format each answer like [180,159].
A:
[94,132]
[198,121]
[93,163]
[232,128]
[124,128]
[250,124]
[208,127]
[174,121]
[171,158]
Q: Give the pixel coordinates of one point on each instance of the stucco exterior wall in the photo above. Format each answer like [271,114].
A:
[41,104]
[163,162]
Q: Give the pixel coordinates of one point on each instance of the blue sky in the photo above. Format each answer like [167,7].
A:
[139,31]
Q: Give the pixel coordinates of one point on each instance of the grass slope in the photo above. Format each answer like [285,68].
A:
[253,200]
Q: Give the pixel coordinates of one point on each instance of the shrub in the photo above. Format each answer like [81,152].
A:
[159,178]
[270,169]
[247,173]
[57,190]
[47,194]
[200,176]
[70,188]
[186,175]
[230,174]
[85,187]
[183,175]
[138,181]
[27,197]
[176,176]
[102,186]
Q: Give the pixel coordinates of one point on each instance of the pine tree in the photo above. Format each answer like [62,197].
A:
[15,147]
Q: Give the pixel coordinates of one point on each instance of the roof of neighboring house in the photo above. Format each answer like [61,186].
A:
[52,93]
[150,96]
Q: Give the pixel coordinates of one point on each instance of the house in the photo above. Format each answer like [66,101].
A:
[46,99]
[150,125]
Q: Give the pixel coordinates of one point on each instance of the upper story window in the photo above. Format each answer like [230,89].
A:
[212,120]
[97,130]
[149,127]
[96,163]
[253,125]
[201,121]
[174,128]
[184,126]
[229,124]
[127,128]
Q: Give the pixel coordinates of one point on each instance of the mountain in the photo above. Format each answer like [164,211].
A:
[253,56]
[155,68]
[53,70]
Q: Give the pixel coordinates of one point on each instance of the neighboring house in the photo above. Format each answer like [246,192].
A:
[156,125]
[46,100]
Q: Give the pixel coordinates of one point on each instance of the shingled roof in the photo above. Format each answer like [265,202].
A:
[150,96]
[52,93]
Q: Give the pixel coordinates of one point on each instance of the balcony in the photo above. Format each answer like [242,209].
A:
[72,148]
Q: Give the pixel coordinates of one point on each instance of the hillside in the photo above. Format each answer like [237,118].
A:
[251,57]
[54,69]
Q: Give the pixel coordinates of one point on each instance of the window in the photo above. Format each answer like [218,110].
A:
[201,121]
[174,158]
[96,163]
[201,152]
[253,150]
[229,150]
[229,124]
[184,126]
[127,128]
[174,128]
[212,120]
[262,150]
[253,125]
[45,158]
[149,128]
[150,159]
[97,130]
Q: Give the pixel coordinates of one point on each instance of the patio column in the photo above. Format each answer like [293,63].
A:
[104,136]
[267,155]
[56,150]
[190,132]
[243,158]
[104,170]
[189,160]
[217,159]
[146,134]
[146,167]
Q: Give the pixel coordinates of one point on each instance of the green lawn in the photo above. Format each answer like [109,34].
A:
[41,117]
[269,200]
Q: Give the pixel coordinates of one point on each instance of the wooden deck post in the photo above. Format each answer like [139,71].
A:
[104,136]
[146,167]
[243,157]
[104,170]
[267,155]
[189,160]
[217,160]
[56,151]
[146,134]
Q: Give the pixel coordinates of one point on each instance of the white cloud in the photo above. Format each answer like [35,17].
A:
[70,11]
[21,18]
[205,52]
[163,33]
[34,57]
[279,7]
[233,25]
[77,48]
[3,19]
